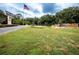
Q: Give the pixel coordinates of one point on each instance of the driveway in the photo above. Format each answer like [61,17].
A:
[10,29]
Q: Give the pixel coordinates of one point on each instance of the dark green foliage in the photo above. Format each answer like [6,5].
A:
[44,20]
[2,17]
[19,22]
[69,15]
[47,20]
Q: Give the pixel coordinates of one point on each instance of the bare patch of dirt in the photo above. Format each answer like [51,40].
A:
[64,50]
[77,46]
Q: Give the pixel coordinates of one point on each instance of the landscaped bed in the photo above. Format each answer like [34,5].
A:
[6,25]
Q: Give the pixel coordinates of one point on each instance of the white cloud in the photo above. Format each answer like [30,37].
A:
[20,9]
[65,5]
[36,6]
[28,13]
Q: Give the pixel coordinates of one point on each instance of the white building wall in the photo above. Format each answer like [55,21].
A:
[9,20]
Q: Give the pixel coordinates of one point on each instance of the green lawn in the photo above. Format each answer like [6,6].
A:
[40,40]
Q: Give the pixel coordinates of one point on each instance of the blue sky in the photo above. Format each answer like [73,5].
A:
[36,9]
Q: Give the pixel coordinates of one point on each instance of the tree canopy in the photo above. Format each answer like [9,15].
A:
[69,15]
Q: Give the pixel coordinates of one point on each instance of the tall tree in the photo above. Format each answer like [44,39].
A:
[69,15]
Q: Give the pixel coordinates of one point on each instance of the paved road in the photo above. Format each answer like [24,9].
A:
[10,29]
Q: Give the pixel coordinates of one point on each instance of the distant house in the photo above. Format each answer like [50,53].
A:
[6,17]
[10,16]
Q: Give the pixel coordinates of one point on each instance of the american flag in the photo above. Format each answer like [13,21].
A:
[26,7]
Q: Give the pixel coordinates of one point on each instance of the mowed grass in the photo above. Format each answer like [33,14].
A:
[41,41]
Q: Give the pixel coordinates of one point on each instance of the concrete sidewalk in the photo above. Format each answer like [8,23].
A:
[10,29]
